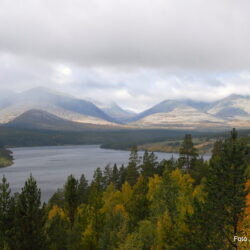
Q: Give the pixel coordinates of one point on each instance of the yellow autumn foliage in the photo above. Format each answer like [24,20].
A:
[244,227]
[55,210]
[153,184]
[119,208]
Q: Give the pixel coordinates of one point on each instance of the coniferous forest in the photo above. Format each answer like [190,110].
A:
[185,203]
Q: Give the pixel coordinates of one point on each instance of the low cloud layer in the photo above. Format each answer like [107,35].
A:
[136,53]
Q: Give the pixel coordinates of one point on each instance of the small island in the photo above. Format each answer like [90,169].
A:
[6,158]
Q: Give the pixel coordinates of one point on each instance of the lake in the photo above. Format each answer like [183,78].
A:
[51,165]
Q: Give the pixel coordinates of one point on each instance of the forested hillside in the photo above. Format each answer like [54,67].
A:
[107,138]
[6,158]
[118,139]
[183,203]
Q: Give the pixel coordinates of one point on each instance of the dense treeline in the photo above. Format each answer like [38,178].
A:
[183,203]
[122,139]
[116,139]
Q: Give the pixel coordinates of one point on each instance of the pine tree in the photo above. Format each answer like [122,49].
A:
[30,218]
[83,189]
[98,179]
[122,176]
[187,152]
[137,206]
[107,175]
[149,164]
[71,198]
[115,176]
[92,232]
[226,196]
[132,168]
[7,216]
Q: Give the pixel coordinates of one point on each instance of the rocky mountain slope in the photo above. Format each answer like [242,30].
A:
[232,111]
[39,119]
[63,106]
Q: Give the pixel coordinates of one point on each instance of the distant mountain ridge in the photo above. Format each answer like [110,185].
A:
[63,106]
[44,108]
[116,112]
[39,119]
[233,110]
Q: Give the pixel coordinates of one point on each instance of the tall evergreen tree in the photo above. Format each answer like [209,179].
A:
[115,176]
[71,196]
[226,197]
[137,207]
[98,179]
[149,164]
[7,216]
[132,168]
[92,233]
[30,218]
[187,152]
[122,176]
[107,175]
[83,189]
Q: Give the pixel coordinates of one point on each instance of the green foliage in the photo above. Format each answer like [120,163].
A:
[137,206]
[149,164]
[57,199]
[83,189]
[108,138]
[6,158]
[57,231]
[226,196]
[122,176]
[71,198]
[107,175]
[7,216]
[143,206]
[30,215]
[115,176]
[133,165]
[188,152]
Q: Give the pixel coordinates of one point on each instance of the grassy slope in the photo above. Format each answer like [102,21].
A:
[204,145]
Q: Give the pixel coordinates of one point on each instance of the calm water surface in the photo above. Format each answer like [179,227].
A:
[51,165]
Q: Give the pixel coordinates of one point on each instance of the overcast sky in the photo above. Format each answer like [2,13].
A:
[134,52]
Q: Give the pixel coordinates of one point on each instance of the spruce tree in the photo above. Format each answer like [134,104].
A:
[30,218]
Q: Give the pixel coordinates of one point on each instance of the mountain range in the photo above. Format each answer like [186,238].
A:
[42,108]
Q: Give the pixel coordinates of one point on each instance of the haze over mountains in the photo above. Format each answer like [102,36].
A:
[42,108]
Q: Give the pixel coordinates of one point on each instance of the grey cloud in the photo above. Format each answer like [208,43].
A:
[136,53]
[196,34]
